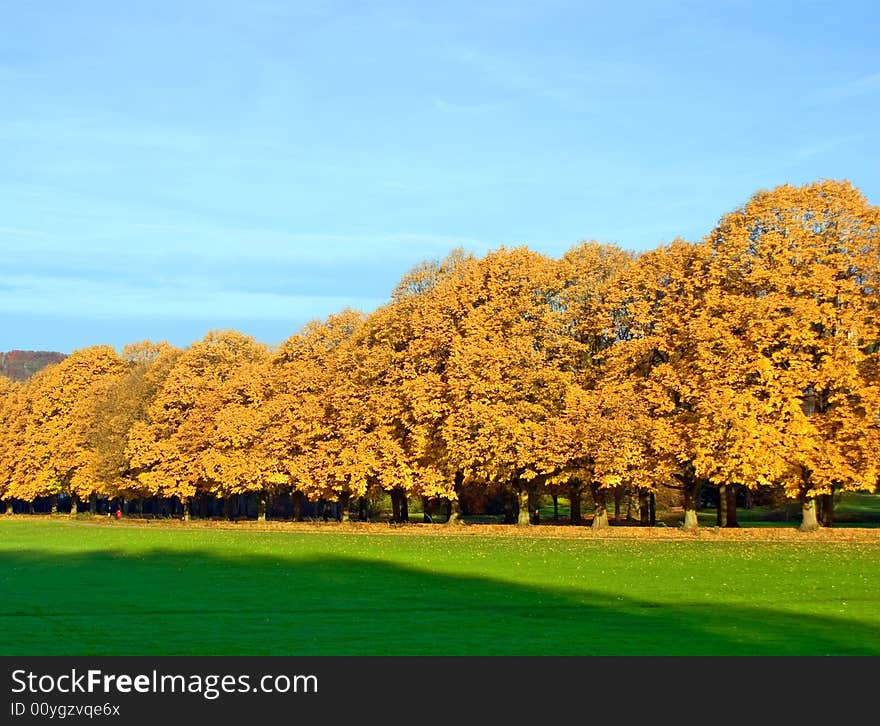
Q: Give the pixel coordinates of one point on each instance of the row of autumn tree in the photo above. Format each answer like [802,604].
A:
[749,359]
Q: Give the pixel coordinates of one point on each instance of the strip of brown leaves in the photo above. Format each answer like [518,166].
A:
[704,534]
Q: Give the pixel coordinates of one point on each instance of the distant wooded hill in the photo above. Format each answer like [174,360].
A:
[19,365]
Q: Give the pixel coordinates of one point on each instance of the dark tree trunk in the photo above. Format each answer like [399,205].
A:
[227,507]
[426,510]
[399,506]
[73,505]
[827,519]
[185,504]
[93,503]
[343,507]
[453,503]
[618,496]
[534,504]
[525,516]
[555,507]
[395,505]
[574,499]
[690,490]
[644,507]
[454,510]
[730,520]
[296,502]
[809,523]
[652,506]
[511,506]
[53,504]
[721,511]
[261,506]
[203,506]
[633,506]
[31,507]
[363,510]
[600,512]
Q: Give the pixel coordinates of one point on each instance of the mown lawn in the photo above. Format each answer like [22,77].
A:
[80,589]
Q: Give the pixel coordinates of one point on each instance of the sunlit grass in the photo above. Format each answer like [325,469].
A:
[74,588]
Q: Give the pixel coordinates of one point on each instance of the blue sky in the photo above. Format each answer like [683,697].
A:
[171,167]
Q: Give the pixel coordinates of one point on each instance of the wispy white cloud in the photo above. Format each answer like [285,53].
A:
[818,148]
[863,86]
[502,70]
[187,272]
[179,242]
[21,232]
[408,187]
[522,75]
[180,299]
[449,107]
[105,132]
[547,78]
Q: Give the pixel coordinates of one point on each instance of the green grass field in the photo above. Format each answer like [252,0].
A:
[81,589]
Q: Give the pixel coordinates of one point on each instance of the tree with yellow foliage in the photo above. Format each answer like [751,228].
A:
[300,428]
[374,426]
[233,462]
[584,442]
[393,392]
[183,448]
[424,322]
[10,424]
[52,455]
[804,263]
[502,386]
[117,404]
[661,296]
[751,359]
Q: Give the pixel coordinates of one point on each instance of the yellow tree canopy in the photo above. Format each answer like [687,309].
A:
[589,282]
[235,462]
[804,265]
[391,388]
[593,436]
[685,377]
[498,328]
[657,305]
[53,455]
[117,405]
[301,429]
[176,450]
[381,398]
[11,424]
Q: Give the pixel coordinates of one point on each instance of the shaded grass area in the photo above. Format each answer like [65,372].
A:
[858,506]
[73,589]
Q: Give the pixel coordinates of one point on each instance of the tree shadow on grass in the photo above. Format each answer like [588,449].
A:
[164,603]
